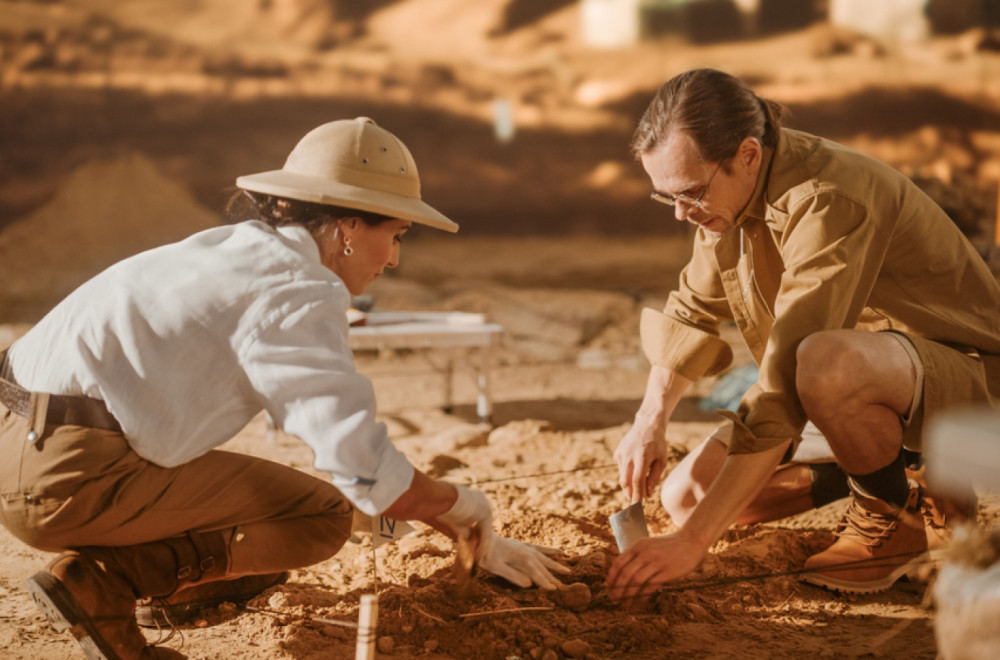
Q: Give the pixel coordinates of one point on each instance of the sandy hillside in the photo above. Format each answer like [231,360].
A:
[123,125]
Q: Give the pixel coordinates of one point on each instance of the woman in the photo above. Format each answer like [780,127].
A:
[117,399]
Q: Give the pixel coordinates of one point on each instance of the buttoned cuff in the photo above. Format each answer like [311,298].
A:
[683,349]
[373,495]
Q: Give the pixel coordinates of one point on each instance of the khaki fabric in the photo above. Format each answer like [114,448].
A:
[76,486]
[831,239]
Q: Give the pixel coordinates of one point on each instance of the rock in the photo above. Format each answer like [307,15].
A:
[386,644]
[550,655]
[575,597]
[697,611]
[431,645]
[575,648]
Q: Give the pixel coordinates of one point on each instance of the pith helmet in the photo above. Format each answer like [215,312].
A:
[353,163]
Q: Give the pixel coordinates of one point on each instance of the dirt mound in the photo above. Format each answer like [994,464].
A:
[106,211]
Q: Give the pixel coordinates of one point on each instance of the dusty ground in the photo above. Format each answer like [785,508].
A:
[122,129]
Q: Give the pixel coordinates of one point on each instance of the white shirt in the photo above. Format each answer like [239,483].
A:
[187,342]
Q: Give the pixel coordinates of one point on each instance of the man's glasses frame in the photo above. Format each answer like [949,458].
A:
[695,202]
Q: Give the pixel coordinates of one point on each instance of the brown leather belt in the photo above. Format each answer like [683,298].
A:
[62,410]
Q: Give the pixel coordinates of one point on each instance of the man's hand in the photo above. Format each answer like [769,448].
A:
[649,564]
[520,563]
[641,457]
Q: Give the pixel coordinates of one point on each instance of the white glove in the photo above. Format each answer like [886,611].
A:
[520,563]
[469,509]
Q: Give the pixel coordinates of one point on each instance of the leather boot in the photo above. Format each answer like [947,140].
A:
[943,512]
[92,591]
[182,606]
[78,593]
[876,544]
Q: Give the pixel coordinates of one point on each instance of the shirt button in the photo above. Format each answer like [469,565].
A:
[32,436]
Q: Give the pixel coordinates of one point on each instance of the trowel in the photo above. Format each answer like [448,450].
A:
[629,525]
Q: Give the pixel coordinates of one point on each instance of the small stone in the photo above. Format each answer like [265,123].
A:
[386,644]
[407,628]
[201,623]
[550,655]
[575,648]
[431,644]
[575,597]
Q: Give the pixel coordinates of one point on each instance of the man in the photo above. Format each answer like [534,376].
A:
[864,306]
[112,406]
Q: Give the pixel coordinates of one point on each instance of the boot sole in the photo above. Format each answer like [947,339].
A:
[58,606]
[159,616]
[849,587]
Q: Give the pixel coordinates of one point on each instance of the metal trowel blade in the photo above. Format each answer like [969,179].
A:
[629,525]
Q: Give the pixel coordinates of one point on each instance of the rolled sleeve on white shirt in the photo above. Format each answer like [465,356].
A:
[303,368]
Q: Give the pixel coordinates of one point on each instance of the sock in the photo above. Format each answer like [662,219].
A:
[888,484]
[829,483]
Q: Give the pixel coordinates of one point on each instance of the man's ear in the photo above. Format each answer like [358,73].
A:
[750,152]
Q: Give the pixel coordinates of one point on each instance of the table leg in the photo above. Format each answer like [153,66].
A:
[484,400]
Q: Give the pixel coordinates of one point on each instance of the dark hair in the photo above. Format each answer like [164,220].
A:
[716,109]
[277,211]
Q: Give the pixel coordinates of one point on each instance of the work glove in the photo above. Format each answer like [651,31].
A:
[471,508]
[518,562]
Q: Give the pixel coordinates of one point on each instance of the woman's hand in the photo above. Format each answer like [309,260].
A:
[523,564]
[471,508]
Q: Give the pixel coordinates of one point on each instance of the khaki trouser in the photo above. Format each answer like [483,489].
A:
[76,486]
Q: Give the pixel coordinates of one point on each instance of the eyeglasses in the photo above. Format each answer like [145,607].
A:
[695,202]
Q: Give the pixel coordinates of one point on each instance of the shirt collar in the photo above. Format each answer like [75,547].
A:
[757,206]
[302,240]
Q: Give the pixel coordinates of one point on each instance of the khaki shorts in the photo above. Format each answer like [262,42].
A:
[946,377]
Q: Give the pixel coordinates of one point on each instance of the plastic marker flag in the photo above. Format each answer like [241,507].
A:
[385,530]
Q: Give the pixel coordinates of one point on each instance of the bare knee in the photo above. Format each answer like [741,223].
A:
[826,371]
[687,483]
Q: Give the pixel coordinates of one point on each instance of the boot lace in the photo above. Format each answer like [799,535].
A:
[866,527]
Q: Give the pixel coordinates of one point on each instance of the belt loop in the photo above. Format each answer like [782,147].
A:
[38,410]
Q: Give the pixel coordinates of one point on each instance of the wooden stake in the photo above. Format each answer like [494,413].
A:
[367,628]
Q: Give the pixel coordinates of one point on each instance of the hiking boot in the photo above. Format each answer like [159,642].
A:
[78,593]
[876,544]
[182,606]
[91,592]
[942,513]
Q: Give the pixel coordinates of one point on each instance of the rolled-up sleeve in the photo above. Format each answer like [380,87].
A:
[684,337]
[301,366]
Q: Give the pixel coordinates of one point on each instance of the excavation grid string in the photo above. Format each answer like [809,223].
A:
[477,482]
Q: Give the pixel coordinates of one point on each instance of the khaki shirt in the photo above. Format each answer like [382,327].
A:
[830,239]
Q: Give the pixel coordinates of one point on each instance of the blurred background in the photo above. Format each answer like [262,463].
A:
[124,123]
